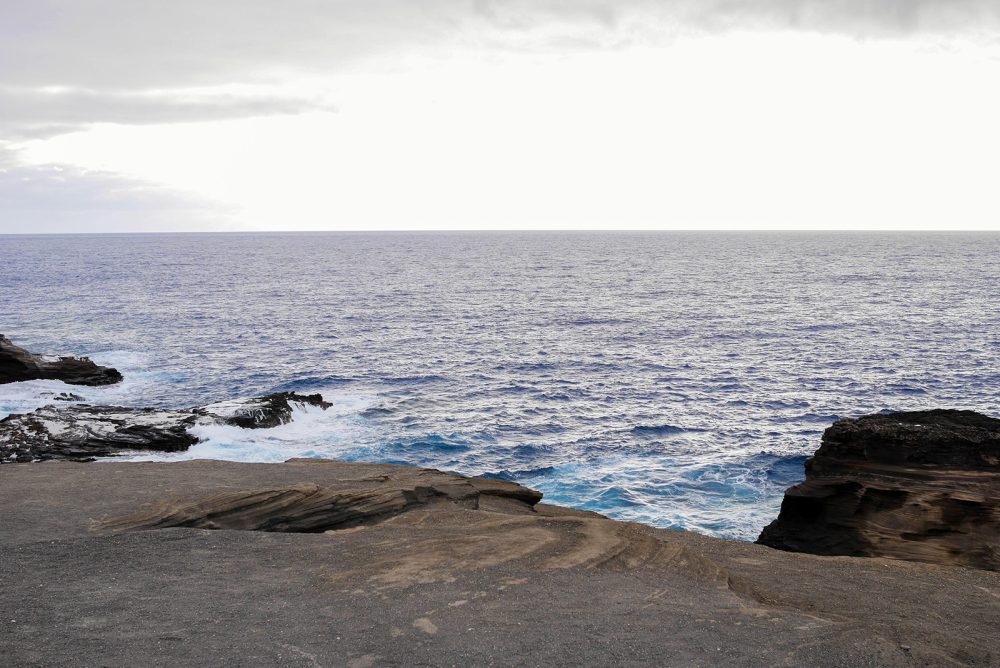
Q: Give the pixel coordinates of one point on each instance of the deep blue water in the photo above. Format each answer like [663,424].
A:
[677,378]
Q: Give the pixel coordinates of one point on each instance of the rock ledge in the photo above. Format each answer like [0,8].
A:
[321,563]
[921,486]
[17,364]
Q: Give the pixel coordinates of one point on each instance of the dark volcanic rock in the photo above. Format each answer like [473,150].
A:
[83,432]
[263,412]
[17,364]
[922,486]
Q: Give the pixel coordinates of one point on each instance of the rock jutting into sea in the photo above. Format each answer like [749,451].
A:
[17,364]
[83,432]
[921,486]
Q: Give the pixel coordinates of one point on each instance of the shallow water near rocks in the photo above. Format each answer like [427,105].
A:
[678,379]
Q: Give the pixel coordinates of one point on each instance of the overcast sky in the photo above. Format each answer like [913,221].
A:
[117,115]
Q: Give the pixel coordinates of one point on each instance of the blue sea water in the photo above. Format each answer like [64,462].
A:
[679,379]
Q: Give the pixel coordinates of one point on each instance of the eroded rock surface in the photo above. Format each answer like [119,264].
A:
[312,508]
[922,486]
[17,364]
[415,566]
[83,432]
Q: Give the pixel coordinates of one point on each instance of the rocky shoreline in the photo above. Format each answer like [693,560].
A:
[320,563]
[920,486]
[323,563]
[82,432]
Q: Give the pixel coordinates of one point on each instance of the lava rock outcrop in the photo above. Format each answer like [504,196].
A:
[922,486]
[263,412]
[17,364]
[83,432]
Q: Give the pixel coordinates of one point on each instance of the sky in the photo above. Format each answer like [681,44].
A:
[213,115]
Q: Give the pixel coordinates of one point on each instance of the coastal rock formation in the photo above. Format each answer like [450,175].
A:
[262,412]
[353,564]
[921,486]
[17,364]
[83,432]
[313,508]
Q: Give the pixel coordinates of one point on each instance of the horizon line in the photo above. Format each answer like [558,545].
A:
[520,231]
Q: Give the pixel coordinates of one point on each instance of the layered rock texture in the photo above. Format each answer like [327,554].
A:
[17,364]
[312,563]
[83,432]
[308,507]
[922,486]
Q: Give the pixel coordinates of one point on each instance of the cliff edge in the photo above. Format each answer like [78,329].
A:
[922,486]
[320,563]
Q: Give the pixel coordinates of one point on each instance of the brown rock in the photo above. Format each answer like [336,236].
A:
[922,486]
[101,564]
[313,508]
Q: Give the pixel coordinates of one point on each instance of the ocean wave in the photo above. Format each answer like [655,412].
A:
[520,474]
[338,432]
[308,384]
[905,389]
[737,497]
[661,430]
[410,380]
[433,442]
[26,396]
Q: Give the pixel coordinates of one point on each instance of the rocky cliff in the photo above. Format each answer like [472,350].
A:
[921,486]
[17,364]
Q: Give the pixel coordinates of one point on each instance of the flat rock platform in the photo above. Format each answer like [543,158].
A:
[317,563]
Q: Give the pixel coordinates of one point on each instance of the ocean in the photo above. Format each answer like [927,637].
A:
[677,379]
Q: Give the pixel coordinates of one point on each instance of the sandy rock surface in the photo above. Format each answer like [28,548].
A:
[333,564]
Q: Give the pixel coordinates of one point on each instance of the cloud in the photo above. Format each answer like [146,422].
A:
[67,66]
[28,113]
[55,199]
[116,44]
[65,63]
[861,18]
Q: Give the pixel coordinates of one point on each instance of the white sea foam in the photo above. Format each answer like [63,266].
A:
[26,396]
[335,433]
